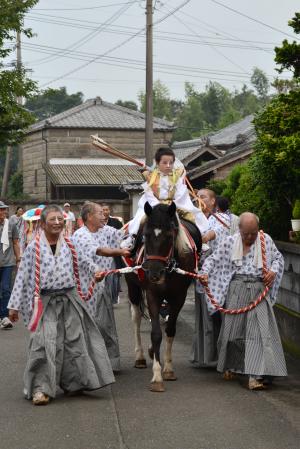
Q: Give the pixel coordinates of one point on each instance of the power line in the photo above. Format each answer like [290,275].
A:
[224,33]
[116,46]
[81,9]
[125,30]
[88,37]
[215,49]
[251,18]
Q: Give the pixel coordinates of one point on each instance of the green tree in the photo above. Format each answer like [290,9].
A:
[14,83]
[190,118]
[245,101]
[161,101]
[269,184]
[288,55]
[52,101]
[127,104]
[261,83]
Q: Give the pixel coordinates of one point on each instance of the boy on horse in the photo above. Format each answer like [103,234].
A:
[164,184]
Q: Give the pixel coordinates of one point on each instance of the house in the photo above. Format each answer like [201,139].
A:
[59,162]
[213,156]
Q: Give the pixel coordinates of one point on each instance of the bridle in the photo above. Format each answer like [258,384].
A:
[168,260]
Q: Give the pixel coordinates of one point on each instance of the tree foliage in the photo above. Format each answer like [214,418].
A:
[127,104]
[14,83]
[269,184]
[52,101]
[288,55]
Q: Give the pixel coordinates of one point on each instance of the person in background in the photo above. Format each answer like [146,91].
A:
[17,219]
[227,217]
[113,282]
[70,220]
[207,327]
[108,219]
[9,258]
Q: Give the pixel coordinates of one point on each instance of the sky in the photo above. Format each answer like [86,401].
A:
[98,46]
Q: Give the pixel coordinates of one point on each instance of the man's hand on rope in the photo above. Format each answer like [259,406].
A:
[203,278]
[269,278]
[99,276]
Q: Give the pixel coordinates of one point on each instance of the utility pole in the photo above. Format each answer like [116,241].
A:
[149,84]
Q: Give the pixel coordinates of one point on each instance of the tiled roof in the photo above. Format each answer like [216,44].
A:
[238,152]
[98,114]
[91,174]
[187,147]
[230,135]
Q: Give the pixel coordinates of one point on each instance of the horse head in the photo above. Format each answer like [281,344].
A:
[159,232]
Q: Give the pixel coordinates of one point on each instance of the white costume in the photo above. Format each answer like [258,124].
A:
[160,188]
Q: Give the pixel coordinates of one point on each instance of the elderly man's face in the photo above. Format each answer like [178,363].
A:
[96,218]
[207,198]
[249,231]
[54,224]
[3,214]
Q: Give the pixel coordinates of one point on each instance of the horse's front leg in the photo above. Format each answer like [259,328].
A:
[175,307]
[156,384]
[136,315]
[168,372]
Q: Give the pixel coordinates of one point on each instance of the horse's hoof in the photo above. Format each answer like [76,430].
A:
[169,375]
[157,387]
[140,364]
[151,353]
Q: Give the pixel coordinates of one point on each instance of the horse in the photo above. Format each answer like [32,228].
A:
[166,246]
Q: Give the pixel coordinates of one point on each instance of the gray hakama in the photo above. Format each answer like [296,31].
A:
[66,350]
[249,343]
[207,328]
[105,320]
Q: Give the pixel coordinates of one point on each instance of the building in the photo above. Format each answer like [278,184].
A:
[60,163]
[214,156]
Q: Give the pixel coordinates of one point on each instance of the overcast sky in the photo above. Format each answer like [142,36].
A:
[98,46]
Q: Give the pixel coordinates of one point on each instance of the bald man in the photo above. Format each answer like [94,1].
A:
[249,343]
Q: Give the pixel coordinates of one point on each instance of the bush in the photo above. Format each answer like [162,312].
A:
[296,210]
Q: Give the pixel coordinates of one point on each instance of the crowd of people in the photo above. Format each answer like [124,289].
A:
[64,299]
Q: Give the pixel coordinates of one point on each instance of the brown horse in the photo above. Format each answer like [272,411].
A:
[165,246]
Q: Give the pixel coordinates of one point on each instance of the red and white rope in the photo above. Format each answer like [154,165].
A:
[215,303]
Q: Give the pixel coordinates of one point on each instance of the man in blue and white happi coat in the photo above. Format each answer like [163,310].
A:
[66,349]
[96,245]
[249,343]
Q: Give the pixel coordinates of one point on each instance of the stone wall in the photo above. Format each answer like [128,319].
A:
[287,309]
[75,143]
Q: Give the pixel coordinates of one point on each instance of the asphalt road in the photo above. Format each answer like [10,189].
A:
[199,411]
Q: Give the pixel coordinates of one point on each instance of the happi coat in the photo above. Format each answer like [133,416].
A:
[221,267]
[66,350]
